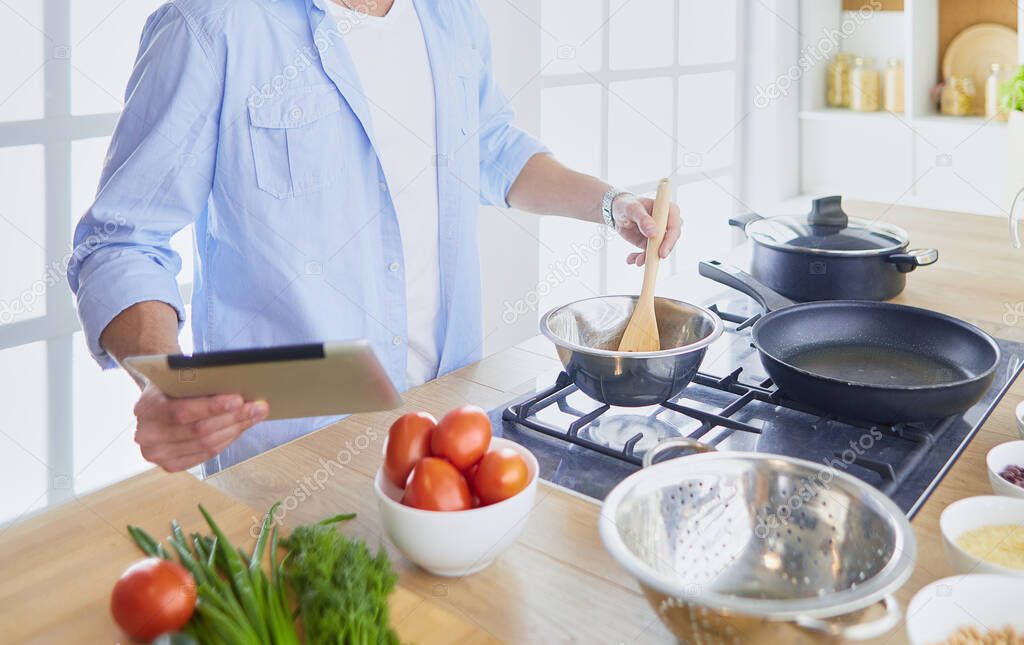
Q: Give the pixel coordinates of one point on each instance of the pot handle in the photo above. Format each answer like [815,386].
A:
[743,282]
[741,221]
[907,262]
[675,442]
[860,631]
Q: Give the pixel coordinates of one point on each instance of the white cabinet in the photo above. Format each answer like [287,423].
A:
[839,156]
[960,166]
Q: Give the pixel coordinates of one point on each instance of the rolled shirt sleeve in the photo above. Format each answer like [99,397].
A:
[156,179]
[504,148]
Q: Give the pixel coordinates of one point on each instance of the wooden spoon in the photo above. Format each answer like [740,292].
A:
[641,333]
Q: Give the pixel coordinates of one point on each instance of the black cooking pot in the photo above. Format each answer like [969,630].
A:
[829,256]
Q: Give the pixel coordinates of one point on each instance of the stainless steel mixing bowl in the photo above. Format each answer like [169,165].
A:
[734,547]
[587,334]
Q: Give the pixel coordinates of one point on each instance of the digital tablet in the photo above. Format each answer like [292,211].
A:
[319,379]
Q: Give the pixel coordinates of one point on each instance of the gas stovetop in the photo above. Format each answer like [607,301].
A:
[589,447]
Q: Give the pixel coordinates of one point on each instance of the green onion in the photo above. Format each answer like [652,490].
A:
[238,603]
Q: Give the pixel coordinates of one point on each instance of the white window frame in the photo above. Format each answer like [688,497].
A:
[56,130]
[605,75]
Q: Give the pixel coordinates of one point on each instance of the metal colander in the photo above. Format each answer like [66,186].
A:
[735,546]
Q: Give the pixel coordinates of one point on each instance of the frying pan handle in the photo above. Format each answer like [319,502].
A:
[907,262]
[858,631]
[741,221]
[679,443]
[730,276]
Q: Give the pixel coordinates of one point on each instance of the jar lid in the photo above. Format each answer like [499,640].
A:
[827,230]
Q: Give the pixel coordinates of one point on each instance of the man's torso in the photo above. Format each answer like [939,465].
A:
[391,59]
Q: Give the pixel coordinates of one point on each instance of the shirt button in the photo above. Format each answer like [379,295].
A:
[393,267]
[382,185]
[397,340]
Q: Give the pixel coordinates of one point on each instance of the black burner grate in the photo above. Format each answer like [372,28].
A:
[922,436]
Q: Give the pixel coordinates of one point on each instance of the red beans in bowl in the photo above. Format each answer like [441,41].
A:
[1013,474]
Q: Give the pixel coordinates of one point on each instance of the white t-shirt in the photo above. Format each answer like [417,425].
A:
[391,59]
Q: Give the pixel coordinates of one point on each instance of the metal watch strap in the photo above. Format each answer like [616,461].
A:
[607,202]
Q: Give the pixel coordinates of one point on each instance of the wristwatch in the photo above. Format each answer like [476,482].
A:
[606,205]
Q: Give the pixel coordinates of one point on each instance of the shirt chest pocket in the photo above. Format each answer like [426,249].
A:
[467,73]
[296,141]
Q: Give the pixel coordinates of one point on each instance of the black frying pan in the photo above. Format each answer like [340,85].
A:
[867,360]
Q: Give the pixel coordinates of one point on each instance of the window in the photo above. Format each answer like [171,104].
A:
[634,90]
[65,426]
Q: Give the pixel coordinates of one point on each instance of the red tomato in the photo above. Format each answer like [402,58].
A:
[470,476]
[462,436]
[152,597]
[499,475]
[408,442]
[435,485]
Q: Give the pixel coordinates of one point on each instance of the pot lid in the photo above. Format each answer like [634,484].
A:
[827,230]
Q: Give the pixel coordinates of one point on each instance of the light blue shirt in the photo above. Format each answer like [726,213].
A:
[246,118]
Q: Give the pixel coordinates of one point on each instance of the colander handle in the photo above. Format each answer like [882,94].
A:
[675,443]
[861,631]
[1015,218]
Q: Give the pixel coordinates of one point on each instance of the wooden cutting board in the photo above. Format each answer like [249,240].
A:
[57,569]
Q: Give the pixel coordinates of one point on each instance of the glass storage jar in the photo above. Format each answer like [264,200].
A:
[958,96]
[992,83]
[865,86]
[892,86]
[837,91]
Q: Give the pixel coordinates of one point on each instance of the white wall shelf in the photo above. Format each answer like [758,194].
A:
[843,114]
[958,121]
[919,157]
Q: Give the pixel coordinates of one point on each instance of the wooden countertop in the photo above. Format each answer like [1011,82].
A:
[556,584]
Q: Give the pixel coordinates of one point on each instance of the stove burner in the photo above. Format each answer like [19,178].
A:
[640,432]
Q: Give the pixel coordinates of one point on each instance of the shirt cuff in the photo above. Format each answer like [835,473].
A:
[517,148]
[115,284]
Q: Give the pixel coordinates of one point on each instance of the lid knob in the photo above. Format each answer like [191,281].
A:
[828,211]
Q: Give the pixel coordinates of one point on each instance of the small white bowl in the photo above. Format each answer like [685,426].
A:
[1003,455]
[457,543]
[984,601]
[974,512]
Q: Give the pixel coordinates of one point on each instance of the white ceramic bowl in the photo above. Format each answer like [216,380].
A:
[971,513]
[457,543]
[1003,455]
[984,601]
